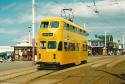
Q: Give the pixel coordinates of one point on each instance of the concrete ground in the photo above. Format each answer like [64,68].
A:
[98,70]
[14,65]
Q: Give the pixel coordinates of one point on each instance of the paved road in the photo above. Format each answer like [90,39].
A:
[98,70]
[14,65]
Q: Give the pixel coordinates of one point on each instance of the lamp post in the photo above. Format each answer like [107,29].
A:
[29,29]
[123,42]
[105,49]
[33,35]
[105,39]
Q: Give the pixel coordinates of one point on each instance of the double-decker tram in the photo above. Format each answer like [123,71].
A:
[60,42]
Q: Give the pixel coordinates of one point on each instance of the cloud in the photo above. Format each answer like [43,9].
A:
[79,9]
[111,6]
[7,31]
[51,9]
[16,6]
[85,10]
[24,18]
[22,38]
[7,21]
[9,6]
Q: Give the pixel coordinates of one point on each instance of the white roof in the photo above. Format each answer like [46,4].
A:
[24,43]
[6,48]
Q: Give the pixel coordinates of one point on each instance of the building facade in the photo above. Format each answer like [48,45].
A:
[98,44]
[23,51]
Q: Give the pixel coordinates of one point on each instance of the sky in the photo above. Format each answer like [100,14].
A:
[16,17]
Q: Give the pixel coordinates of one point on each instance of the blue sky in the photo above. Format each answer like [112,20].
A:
[16,17]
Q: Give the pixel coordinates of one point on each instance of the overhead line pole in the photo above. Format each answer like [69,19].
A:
[33,35]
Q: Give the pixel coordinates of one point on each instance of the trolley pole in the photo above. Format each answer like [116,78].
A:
[33,35]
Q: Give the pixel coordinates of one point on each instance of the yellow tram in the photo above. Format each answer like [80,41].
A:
[60,42]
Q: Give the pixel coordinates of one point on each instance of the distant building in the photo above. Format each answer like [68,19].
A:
[120,48]
[98,43]
[96,46]
[23,51]
[6,49]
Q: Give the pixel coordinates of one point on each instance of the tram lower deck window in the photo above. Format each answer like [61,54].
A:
[43,44]
[60,46]
[51,44]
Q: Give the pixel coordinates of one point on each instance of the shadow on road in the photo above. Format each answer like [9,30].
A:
[121,76]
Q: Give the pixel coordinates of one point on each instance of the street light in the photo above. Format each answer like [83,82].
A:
[105,39]
[123,41]
[105,49]
[29,29]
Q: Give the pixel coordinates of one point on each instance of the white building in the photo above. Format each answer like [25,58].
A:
[6,49]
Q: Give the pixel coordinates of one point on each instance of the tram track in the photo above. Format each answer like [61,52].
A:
[85,74]
[33,76]
[105,79]
[14,75]
[69,74]
[4,75]
[68,69]
[112,74]
[46,74]
[12,71]
[26,77]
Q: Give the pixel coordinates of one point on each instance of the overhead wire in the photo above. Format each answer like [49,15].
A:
[105,19]
[95,7]
[118,5]
[65,14]
[102,18]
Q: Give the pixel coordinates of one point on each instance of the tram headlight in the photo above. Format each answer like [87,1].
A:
[54,56]
[39,56]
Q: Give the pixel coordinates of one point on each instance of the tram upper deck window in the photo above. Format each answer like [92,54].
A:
[43,44]
[54,24]
[51,44]
[66,26]
[44,25]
